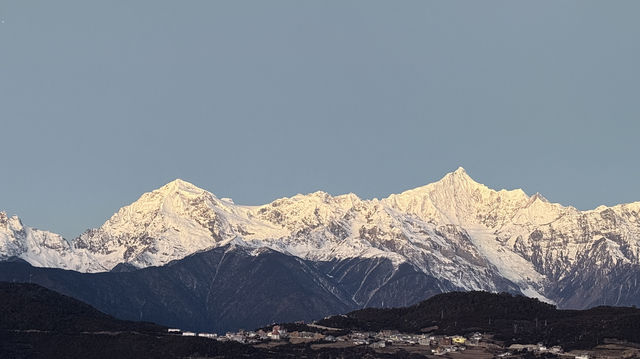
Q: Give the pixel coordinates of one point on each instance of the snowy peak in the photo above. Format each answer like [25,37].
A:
[458,184]
[458,199]
[460,175]
[10,223]
[168,223]
[180,187]
[175,196]
[453,185]
[460,170]
[539,197]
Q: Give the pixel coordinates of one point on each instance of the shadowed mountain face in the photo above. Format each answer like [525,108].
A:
[231,287]
[235,287]
[36,322]
[31,307]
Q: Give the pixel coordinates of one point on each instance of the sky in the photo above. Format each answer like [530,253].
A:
[101,101]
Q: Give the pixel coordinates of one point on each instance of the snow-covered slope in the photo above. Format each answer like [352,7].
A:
[455,229]
[166,224]
[41,248]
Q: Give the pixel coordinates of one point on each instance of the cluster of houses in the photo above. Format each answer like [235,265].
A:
[437,344]
[535,348]
[247,337]
[440,344]
[241,336]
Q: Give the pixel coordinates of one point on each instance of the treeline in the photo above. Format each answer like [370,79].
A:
[512,318]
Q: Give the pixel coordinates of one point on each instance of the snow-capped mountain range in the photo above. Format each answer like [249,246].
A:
[456,230]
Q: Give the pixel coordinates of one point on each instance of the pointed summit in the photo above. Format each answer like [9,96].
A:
[540,197]
[460,170]
[180,186]
[179,183]
[170,222]
[458,176]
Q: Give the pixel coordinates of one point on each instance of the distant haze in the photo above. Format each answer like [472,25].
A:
[101,101]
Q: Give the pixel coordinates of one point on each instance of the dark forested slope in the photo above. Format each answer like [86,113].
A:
[512,318]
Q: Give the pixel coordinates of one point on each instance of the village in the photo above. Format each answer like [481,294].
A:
[473,344]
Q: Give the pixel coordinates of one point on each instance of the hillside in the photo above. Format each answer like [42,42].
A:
[32,307]
[512,318]
[39,323]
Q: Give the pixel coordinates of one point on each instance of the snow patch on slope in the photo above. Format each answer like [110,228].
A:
[510,265]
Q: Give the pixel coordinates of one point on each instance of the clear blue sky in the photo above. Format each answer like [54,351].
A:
[101,101]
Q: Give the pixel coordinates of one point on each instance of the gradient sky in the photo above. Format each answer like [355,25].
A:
[101,101]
